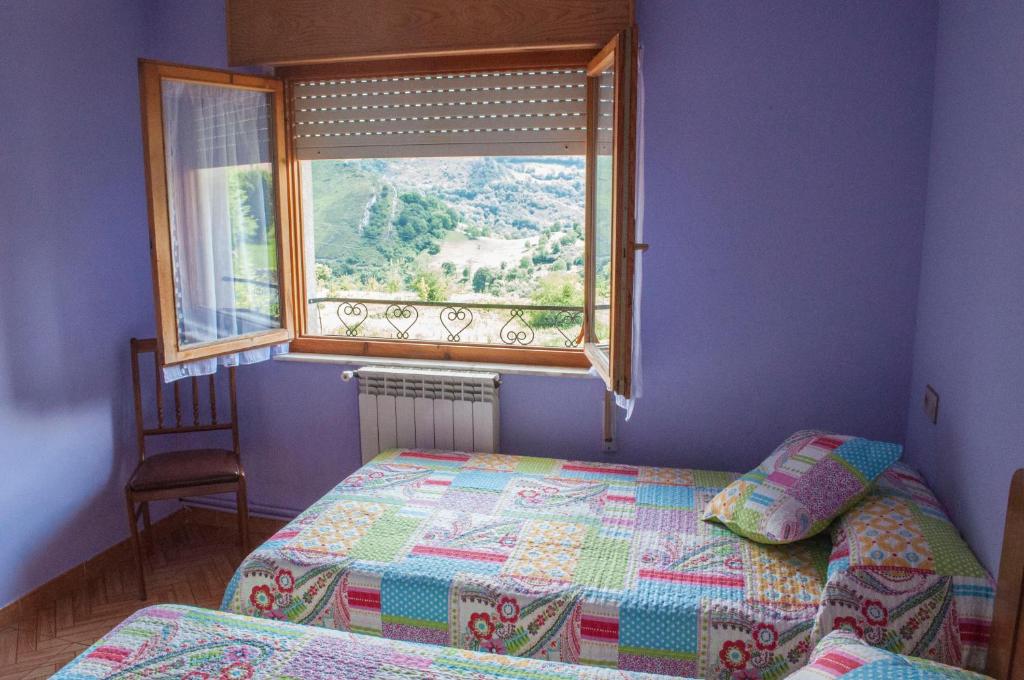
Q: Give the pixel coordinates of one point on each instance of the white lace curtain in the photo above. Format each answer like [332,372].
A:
[222,214]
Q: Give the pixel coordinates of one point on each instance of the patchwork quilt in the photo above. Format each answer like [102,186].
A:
[599,564]
[902,578]
[609,565]
[841,654]
[172,641]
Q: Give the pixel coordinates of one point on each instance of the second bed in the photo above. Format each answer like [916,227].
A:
[611,565]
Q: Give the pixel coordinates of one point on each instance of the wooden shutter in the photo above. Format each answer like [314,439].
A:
[501,113]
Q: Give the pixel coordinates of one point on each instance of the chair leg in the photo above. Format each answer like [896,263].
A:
[148,533]
[243,516]
[136,543]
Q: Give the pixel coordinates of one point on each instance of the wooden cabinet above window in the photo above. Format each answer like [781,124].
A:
[307,31]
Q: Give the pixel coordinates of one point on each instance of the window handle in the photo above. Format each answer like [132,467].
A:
[641,247]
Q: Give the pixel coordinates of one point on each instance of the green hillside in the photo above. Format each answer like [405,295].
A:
[403,225]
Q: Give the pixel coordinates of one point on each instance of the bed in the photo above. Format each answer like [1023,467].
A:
[175,641]
[588,563]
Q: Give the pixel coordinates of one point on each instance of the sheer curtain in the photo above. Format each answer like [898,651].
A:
[222,211]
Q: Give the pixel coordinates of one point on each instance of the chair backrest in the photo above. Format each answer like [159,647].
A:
[204,417]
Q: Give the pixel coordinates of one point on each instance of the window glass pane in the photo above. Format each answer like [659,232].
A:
[222,209]
[603,205]
[481,249]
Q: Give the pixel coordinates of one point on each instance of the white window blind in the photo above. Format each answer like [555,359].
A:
[526,113]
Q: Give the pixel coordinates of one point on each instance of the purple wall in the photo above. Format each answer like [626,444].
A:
[970,324]
[74,280]
[786,171]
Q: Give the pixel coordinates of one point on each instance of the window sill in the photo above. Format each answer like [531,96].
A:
[506,369]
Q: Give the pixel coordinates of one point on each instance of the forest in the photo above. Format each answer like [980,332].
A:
[505,229]
[492,230]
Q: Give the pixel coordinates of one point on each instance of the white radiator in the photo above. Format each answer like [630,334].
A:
[427,409]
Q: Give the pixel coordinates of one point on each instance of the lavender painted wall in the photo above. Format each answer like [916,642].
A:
[970,324]
[74,280]
[786,171]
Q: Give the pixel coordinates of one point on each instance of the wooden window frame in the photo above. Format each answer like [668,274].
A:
[413,349]
[291,252]
[616,364]
[151,74]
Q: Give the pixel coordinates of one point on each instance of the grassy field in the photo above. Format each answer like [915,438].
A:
[338,213]
[480,252]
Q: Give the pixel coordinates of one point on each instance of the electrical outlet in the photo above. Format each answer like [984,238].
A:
[931,403]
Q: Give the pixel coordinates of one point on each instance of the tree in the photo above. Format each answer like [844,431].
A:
[542,256]
[251,205]
[379,214]
[431,287]
[482,279]
[423,221]
[556,290]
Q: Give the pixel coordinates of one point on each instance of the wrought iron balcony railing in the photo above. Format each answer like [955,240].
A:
[469,322]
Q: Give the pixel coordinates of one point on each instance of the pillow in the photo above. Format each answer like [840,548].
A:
[898,563]
[842,654]
[811,479]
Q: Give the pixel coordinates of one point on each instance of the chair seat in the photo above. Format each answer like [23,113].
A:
[193,467]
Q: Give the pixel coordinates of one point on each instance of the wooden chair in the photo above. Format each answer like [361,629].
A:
[184,473]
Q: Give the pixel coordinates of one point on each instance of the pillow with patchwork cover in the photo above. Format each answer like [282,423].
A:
[901,576]
[842,654]
[808,481]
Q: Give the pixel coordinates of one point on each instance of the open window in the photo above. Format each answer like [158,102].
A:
[611,211]
[215,151]
[426,208]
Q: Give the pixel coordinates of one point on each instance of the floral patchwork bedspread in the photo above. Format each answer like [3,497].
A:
[902,578]
[173,641]
[599,564]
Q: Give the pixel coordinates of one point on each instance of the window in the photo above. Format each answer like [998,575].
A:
[485,250]
[465,213]
[218,231]
[445,208]
[611,211]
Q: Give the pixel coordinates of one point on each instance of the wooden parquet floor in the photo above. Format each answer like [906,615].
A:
[191,564]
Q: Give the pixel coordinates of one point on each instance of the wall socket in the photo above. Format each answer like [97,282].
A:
[931,403]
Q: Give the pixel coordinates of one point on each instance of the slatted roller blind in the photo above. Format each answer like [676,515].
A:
[506,113]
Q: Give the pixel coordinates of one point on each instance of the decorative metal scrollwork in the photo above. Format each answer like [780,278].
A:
[396,314]
[557,326]
[352,315]
[455,316]
[516,330]
[569,319]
